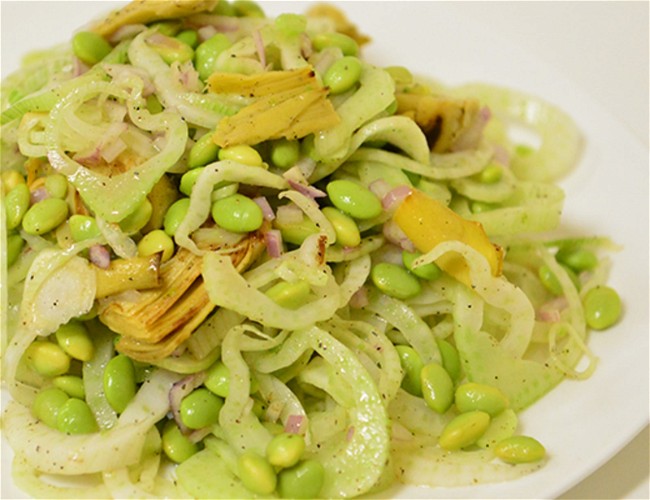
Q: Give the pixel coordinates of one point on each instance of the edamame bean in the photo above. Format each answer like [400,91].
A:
[47,404]
[188,180]
[353,199]
[285,153]
[47,358]
[203,151]
[90,47]
[428,271]
[200,409]
[464,430]
[45,215]
[343,74]
[347,232]
[16,205]
[290,295]
[218,379]
[15,246]
[171,49]
[83,227]
[474,396]
[247,8]
[76,417]
[207,53]
[602,307]
[175,215]
[304,480]
[520,450]
[241,153]
[490,174]
[237,213]
[285,450]
[119,382]
[450,358]
[72,385]
[167,28]
[138,218]
[296,232]
[549,280]
[154,242]
[437,387]
[347,44]
[176,446]
[10,179]
[256,473]
[577,259]
[190,37]
[395,281]
[154,106]
[224,8]
[479,207]
[74,339]
[56,185]
[412,366]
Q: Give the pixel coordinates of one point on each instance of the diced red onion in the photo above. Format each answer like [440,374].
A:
[350,434]
[79,67]
[294,424]
[273,240]
[178,391]
[551,311]
[99,256]
[206,32]
[470,138]
[113,149]
[259,46]
[309,191]
[267,211]
[289,214]
[39,194]
[394,197]
[394,234]
[501,155]
[360,298]
[88,159]
[380,188]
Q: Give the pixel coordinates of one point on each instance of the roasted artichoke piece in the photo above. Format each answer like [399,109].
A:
[136,273]
[159,320]
[340,21]
[442,119]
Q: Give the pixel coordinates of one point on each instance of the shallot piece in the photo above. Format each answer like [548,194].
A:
[309,191]
[273,240]
[380,188]
[394,197]
[206,32]
[360,298]
[551,311]
[39,194]
[99,256]
[470,137]
[264,204]
[394,234]
[294,424]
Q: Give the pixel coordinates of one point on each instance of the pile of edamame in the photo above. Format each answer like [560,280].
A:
[322,203]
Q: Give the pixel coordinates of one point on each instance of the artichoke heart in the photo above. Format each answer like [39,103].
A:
[442,119]
[154,324]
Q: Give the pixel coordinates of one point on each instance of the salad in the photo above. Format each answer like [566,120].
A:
[232,243]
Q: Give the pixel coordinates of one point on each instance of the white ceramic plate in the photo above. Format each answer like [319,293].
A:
[582,424]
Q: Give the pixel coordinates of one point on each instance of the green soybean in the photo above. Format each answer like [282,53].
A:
[241,153]
[602,307]
[256,473]
[437,387]
[138,218]
[56,185]
[74,339]
[474,396]
[83,227]
[290,295]
[200,409]
[167,28]
[188,180]
[224,8]
[190,37]
[47,404]
[9,179]
[90,47]
[171,49]
[218,379]
[343,74]
[412,365]
[354,199]
[47,358]
[450,358]
[45,215]
[285,153]
[479,207]
[15,246]
[16,205]
[578,259]
[347,44]
[399,74]
[72,385]
[76,417]
[285,450]
[207,53]
[491,174]
[464,430]
[395,281]
[154,242]
[175,445]
[247,8]
[428,271]
[304,480]
[549,280]
[296,232]
[119,382]
[203,151]
[154,106]
[237,213]
[175,215]
[347,232]
[520,450]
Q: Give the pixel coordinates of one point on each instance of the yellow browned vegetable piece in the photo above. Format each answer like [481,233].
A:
[146,11]
[341,23]
[136,273]
[427,222]
[288,104]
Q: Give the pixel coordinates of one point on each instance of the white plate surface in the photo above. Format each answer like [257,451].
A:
[582,424]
